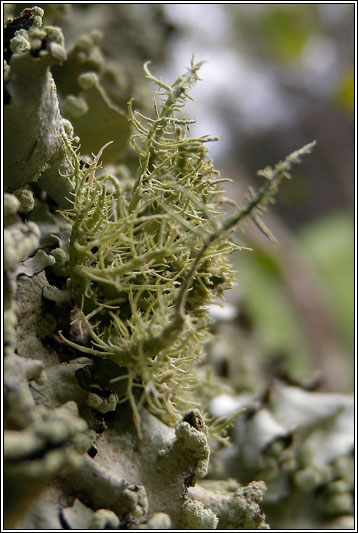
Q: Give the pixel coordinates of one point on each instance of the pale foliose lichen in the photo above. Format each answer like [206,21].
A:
[38,442]
[34,152]
[21,239]
[106,119]
[26,199]
[109,278]
[195,516]
[239,509]
[103,405]
[300,443]
[78,516]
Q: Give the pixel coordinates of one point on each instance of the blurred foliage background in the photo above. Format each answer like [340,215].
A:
[276,77]
[279,76]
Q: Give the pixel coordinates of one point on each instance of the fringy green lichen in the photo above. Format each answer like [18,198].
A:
[145,265]
[129,255]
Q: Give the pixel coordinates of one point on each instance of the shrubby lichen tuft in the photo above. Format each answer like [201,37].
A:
[146,264]
[130,255]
